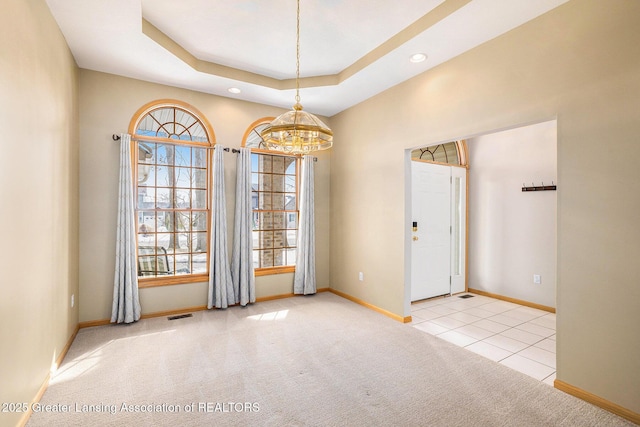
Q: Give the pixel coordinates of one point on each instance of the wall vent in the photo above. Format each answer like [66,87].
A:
[179,316]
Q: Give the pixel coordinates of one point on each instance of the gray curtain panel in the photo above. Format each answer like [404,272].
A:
[304,281]
[126,303]
[220,284]
[241,258]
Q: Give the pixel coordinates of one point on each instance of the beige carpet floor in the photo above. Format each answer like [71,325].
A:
[305,361]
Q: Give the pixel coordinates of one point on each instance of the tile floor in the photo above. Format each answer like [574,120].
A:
[520,337]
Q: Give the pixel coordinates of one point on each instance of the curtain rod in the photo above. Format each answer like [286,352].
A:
[233,150]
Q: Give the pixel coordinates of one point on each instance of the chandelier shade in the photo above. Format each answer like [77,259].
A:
[296,131]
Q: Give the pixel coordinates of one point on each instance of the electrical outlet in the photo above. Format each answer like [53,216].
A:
[361,276]
[73,300]
[537,279]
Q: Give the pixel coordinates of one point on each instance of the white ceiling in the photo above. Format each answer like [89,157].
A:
[358,48]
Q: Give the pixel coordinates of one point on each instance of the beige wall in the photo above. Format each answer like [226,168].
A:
[107,104]
[579,63]
[512,234]
[39,193]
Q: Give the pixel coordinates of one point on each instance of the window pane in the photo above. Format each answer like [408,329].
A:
[266,239]
[166,241]
[164,264]
[291,256]
[264,164]
[182,155]
[146,174]
[199,157]
[183,198]
[255,236]
[279,220]
[278,201]
[146,152]
[164,198]
[290,202]
[146,198]
[290,183]
[146,250]
[277,183]
[278,239]
[254,200]
[182,177]
[161,154]
[266,258]
[199,178]
[277,164]
[256,259]
[183,242]
[278,258]
[199,199]
[183,264]
[266,221]
[290,165]
[183,221]
[147,265]
[199,221]
[292,236]
[292,220]
[164,221]
[164,178]
[265,201]
[198,242]
[146,221]
[264,182]
[199,263]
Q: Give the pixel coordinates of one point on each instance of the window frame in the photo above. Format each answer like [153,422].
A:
[264,271]
[153,281]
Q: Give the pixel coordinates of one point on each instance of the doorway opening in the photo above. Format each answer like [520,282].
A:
[438,220]
[510,241]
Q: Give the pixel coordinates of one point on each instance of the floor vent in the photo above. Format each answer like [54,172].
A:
[180,316]
[466,296]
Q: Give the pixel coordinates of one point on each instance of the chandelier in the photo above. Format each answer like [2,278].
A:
[296,131]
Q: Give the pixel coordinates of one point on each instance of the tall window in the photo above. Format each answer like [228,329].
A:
[173,176]
[274,185]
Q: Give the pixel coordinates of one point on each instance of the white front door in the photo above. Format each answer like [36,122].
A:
[431,240]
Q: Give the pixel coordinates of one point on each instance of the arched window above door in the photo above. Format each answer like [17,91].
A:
[449,153]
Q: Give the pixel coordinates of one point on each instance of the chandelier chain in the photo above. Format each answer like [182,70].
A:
[298,54]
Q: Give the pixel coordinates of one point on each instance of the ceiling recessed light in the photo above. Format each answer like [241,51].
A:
[234,90]
[418,57]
